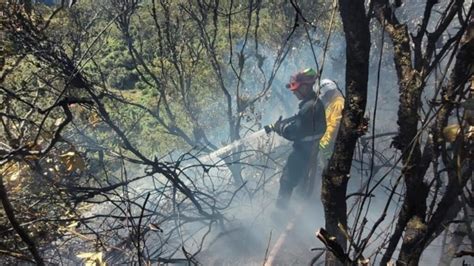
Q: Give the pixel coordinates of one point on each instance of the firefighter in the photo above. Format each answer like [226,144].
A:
[305,129]
[333,101]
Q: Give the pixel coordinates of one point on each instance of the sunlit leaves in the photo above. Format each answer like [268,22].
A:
[13,170]
[450,132]
[73,161]
[92,258]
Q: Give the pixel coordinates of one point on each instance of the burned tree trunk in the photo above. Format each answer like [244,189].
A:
[419,229]
[459,167]
[336,175]
[410,88]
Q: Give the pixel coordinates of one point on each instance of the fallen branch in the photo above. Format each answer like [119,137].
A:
[332,245]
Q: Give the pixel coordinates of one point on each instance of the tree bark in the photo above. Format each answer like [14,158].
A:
[418,236]
[336,175]
[412,218]
[412,214]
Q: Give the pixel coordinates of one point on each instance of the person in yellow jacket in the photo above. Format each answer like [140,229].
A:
[333,101]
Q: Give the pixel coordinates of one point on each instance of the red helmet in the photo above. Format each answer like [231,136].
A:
[307,76]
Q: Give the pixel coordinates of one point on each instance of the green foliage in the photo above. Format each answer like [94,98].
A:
[164,62]
[166,75]
[121,78]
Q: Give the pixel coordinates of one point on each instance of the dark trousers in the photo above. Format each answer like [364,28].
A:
[294,172]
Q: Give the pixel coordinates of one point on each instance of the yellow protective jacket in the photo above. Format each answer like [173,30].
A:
[333,118]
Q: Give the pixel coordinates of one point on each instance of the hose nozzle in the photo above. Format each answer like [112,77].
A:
[268,128]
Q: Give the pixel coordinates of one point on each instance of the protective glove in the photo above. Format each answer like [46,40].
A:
[322,146]
[278,126]
[324,152]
